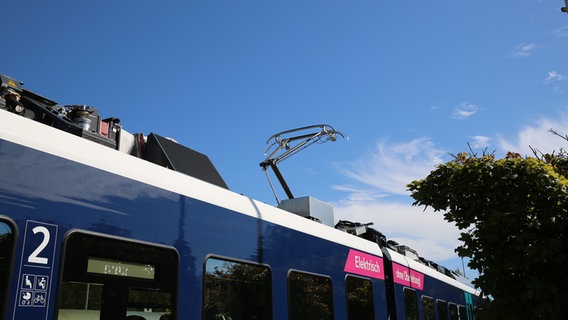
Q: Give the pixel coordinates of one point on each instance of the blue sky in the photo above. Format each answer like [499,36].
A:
[408,82]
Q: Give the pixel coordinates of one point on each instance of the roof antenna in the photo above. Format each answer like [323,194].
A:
[285,146]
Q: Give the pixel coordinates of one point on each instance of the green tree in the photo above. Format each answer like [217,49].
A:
[513,216]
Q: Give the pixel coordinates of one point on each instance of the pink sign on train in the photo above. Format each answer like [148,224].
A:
[407,277]
[364,264]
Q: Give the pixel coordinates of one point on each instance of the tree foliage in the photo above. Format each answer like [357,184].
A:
[513,216]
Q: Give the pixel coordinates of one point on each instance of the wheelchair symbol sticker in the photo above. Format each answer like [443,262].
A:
[33,290]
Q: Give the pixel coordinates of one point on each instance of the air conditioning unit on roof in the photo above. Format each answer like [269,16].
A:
[309,207]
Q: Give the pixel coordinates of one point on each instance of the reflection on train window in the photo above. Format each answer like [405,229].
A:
[6,247]
[442,307]
[462,312]
[81,296]
[131,279]
[453,311]
[310,297]
[236,291]
[359,293]
[410,304]
[428,308]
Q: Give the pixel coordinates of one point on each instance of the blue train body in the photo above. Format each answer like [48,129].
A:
[89,232]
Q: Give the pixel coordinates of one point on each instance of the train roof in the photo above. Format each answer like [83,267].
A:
[38,136]
[77,133]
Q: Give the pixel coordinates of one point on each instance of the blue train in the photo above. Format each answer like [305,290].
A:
[98,223]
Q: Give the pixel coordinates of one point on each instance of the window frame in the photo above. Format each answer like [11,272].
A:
[416,305]
[347,301]
[239,261]
[450,305]
[6,279]
[311,274]
[462,308]
[432,301]
[79,246]
[445,304]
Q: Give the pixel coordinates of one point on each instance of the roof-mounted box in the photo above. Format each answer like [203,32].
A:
[309,207]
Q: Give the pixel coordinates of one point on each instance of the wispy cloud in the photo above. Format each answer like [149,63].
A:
[378,192]
[464,111]
[537,135]
[386,171]
[553,76]
[480,141]
[523,50]
[359,194]
[561,32]
[423,230]
[391,166]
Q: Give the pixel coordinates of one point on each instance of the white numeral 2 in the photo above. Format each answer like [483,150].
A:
[33,258]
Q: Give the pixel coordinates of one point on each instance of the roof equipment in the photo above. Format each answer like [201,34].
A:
[84,121]
[284,146]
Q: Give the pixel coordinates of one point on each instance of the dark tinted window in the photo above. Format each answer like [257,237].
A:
[236,291]
[108,278]
[453,311]
[6,249]
[428,308]
[410,304]
[462,312]
[442,307]
[359,293]
[310,297]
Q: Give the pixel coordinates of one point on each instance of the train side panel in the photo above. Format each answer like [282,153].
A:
[93,200]
[89,232]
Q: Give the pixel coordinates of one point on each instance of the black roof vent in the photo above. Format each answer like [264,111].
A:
[173,155]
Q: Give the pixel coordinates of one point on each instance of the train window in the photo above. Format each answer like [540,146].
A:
[428,308]
[236,290]
[110,278]
[453,311]
[359,293]
[462,312]
[6,249]
[310,297]
[442,307]
[410,304]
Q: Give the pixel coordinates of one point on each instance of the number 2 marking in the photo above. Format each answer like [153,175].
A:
[34,256]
